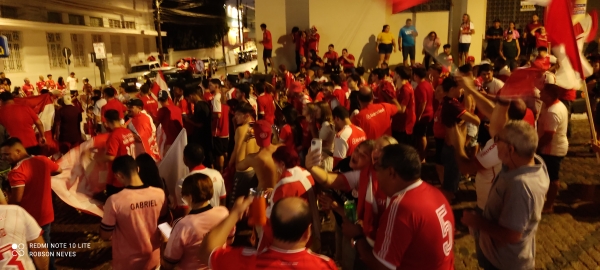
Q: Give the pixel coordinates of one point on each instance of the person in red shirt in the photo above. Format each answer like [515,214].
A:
[41,84]
[291,219]
[220,128]
[347,61]
[30,184]
[375,119]
[404,121]
[112,104]
[266,104]
[18,124]
[340,94]
[423,109]
[290,134]
[348,136]
[150,104]
[413,233]
[169,117]
[530,39]
[120,142]
[313,40]
[50,84]
[541,38]
[267,42]
[287,76]
[28,87]
[330,58]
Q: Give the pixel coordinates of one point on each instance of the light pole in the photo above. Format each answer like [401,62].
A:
[161,57]
[240,25]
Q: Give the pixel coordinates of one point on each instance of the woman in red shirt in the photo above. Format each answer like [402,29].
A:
[60,84]
[290,133]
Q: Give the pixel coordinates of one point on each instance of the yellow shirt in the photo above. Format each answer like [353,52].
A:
[385,38]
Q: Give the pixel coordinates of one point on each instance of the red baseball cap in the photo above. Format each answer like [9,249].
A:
[262,133]
[296,87]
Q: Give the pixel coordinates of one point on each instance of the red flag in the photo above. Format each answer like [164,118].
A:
[558,15]
[594,16]
[160,84]
[523,82]
[402,5]
[43,106]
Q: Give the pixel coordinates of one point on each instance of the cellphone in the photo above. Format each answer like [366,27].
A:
[316,144]
[165,229]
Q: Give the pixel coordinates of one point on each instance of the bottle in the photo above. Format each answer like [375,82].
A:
[257,215]
[350,210]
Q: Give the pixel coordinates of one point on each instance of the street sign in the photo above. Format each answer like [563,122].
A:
[66,52]
[100,50]
[527,6]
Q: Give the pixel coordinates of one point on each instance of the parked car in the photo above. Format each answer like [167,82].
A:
[137,72]
[188,79]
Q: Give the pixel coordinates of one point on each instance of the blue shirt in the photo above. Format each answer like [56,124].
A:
[406,34]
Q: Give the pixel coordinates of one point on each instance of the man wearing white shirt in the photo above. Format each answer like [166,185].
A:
[72,83]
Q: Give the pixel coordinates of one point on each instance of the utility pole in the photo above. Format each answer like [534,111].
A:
[240,25]
[161,56]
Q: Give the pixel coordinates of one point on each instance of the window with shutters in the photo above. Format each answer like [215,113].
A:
[131,45]
[9,12]
[54,50]
[14,62]
[79,57]
[114,23]
[129,25]
[117,52]
[146,46]
[54,17]
[76,19]
[96,22]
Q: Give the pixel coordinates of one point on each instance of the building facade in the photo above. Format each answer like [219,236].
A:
[38,31]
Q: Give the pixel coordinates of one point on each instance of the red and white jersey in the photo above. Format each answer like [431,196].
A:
[132,216]
[346,141]
[254,104]
[230,94]
[266,107]
[228,257]
[188,233]
[371,200]
[17,227]
[376,119]
[295,182]
[120,142]
[416,233]
[288,79]
[142,125]
[218,185]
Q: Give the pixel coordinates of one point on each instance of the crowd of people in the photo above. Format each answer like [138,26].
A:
[270,158]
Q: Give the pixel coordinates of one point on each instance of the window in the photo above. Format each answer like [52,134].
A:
[14,61]
[79,57]
[54,50]
[9,12]
[117,52]
[54,17]
[76,19]
[129,25]
[146,46]
[114,23]
[96,22]
[131,46]
[96,38]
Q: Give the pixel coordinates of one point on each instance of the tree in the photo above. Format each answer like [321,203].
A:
[193,24]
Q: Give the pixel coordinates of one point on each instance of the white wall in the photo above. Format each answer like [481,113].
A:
[477,10]
[355,26]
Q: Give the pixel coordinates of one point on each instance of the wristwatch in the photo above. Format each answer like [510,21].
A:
[356,239]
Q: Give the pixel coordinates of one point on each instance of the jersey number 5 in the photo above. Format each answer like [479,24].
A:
[446,229]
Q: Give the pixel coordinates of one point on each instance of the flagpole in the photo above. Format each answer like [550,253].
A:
[590,118]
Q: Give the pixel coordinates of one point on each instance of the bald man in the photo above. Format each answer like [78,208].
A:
[30,184]
[291,221]
[375,119]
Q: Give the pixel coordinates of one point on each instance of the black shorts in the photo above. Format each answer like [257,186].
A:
[420,129]
[439,146]
[267,53]
[402,137]
[553,166]
[463,47]
[386,48]
[408,51]
[220,146]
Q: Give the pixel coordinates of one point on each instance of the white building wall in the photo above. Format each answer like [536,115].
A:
[33,26]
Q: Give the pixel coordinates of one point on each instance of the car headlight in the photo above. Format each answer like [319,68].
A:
[138,85]
[122,80]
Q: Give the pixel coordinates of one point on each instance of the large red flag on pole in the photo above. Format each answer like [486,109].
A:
[402,5]
[560,31]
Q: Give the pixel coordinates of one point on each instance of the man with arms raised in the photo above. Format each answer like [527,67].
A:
[131,219]
[291,223]
[413,233]
[30,184]
[262,161]
[245,144]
